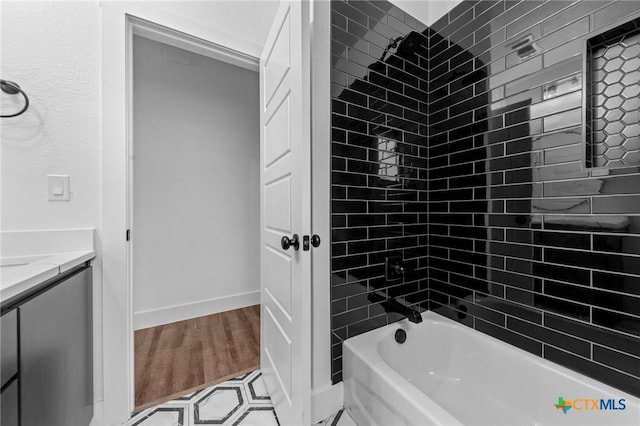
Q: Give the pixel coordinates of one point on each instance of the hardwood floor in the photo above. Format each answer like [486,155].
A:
[186,356]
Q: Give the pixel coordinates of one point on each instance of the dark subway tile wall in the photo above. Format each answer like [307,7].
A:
[527,243]
[378,167]
[467,160]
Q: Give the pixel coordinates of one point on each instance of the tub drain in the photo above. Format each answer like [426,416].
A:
[401,336]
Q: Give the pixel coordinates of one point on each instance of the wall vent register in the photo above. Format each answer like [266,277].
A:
[613,97]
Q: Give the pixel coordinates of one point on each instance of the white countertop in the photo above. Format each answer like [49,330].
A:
[18,274]
[31,257]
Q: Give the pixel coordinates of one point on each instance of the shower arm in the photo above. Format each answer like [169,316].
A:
[393,43]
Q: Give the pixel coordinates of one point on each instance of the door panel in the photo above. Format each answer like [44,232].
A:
[277,131]
[277,206]
[278,351]
[278,276]
[286,210]
[277,61]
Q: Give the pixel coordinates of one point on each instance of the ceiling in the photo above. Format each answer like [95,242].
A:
[249,20]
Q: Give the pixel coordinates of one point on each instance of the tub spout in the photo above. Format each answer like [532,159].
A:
[415,316]
[412,314]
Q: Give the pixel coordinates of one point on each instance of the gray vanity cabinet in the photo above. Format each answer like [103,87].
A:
[9,368]
[56,357]
[9,405]
[9,346]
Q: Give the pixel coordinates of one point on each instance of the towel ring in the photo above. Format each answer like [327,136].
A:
[11,88]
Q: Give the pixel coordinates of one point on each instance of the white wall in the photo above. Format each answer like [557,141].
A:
[43,52]
[196,185]
[247,20]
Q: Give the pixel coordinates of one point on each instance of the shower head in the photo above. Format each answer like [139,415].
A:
[404,45]
[410,43]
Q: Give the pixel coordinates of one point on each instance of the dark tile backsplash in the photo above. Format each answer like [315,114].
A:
[468,160]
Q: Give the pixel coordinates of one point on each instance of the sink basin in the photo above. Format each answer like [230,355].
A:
[18,268]
[18,273]
[27,274]
[21,260]
[30,258]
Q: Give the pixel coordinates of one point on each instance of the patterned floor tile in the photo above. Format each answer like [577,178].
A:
[243,377]
[258,416]
[161,416]
[218,404]
[243,400]
[188,397]
[256,390]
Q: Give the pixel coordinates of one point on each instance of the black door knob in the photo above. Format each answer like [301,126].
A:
[287,242]
[315,240]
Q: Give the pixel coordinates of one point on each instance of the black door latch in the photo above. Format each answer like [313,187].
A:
[315,241]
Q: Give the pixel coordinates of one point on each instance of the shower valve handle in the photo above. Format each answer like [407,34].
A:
[287,242]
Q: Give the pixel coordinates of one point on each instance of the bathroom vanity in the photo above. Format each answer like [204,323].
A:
[47,355]
[9,368]
[47,339]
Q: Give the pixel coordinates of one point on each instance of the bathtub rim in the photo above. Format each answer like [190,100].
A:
[363,345]
[411,394]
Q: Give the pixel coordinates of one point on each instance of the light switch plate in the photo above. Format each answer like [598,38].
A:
[58,188]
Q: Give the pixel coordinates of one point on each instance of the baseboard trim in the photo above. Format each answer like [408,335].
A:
[169,314]
[326,402]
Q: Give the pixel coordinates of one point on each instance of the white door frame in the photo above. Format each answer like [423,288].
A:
[119,22]
[326,398]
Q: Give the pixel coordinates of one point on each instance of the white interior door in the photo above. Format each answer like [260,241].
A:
[285,211]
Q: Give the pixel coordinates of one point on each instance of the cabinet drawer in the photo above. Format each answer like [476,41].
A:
[9,404]
[9,346]
[56,358]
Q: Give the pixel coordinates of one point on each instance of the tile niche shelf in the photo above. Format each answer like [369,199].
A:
[612,95]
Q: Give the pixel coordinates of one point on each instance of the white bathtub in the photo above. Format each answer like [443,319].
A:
[449,374]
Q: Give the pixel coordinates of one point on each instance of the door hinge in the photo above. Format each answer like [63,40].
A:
[128,234]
